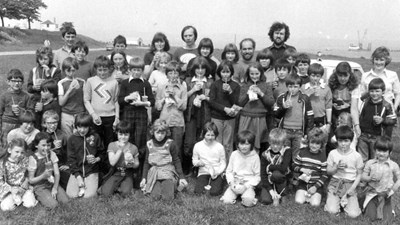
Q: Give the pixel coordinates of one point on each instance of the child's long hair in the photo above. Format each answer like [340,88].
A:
[40,136]
[210,126]
[125,65]
[230,48]
[123,127]
[159,125]
[246,136]
[343,68]
[266,55]
[17,142]
[225,65]
[44,51]
[257,66]
[163,56]
[198,62]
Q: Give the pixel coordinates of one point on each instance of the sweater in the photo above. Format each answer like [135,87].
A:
[131,85]
[74,103]
[220,99]
[281,163]
[211,155]
[259,107]
[313,161]
[9,98]
[245,167]
[100,96]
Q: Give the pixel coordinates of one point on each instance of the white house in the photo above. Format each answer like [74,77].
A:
[48,25]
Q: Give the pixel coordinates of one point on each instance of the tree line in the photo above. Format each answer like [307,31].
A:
[20,10]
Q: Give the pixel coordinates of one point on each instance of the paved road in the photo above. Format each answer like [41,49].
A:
[33,52]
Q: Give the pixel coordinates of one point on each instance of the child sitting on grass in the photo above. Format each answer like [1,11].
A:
[275,168]
[311,163]
[379,173]
[243,171]
[209,156]
[44,173]
[345,166]
[14,182]
[27,130]
[162,167]
[124,158]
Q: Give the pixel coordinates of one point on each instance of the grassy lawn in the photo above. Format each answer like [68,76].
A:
[187,208]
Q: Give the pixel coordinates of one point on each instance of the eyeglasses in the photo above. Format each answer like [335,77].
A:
[16,81]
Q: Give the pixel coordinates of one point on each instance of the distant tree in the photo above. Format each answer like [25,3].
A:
[30,10]
[10,9]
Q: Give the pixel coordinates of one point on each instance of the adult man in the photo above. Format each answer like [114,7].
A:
[247,48]
[68,35]
[278,33]
[184,54]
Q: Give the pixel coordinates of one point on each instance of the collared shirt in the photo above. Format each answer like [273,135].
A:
[392,83]
[60,55]
[320,97]
[383,172]
[277,51]
[132,78]
[195,79]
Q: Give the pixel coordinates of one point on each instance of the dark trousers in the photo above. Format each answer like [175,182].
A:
[217,185]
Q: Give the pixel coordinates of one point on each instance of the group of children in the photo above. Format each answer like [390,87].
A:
[89,135]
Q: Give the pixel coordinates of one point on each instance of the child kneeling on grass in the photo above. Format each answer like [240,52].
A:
[14,185]
[243,171]
[345,165]
[209,156]
[44,173]
[379,174]
[311,163]
[124,158]
[162,167]
[275,168]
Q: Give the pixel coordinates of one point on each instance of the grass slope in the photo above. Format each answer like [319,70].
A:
[12,39]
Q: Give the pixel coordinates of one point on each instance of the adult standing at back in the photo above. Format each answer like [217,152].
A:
[159,44]
[279,33]
[184,54]
[68,34]
[247,48]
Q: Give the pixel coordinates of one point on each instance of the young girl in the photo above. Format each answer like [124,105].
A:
[123,157]
[44,70]
[379,173]
[205,49]
[27,130]
[120,64]
[14,183]
[162,166]
[255,98]
[198,111]
[209,156]
[343,84]
[224,96]
[44,173]
[266,59]
[171,100]
[158,77]
[311,164]
[275,168]
[243,171]
[231,54]
[85,151]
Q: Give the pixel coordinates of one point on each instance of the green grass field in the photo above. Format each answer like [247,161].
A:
[187,208]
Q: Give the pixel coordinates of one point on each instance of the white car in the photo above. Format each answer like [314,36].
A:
[330,65]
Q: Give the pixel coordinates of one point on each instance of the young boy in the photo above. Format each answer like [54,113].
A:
[320,96]
[377,117]
[379,173]
[120,44]
[68,34]
[27,130]
[275,167]
[48,101]
[282,70]
[12,102]
[243,171]
[345,166]
[302,63]
[171,100]
[70,95]
[295,112]
[51,120]
[80,51]
[101,99]
[311,163]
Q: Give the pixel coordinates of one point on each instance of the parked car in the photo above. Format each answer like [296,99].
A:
[330,65]
[109,46]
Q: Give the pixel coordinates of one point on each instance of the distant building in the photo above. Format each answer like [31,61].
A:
[48,25]
[135,41]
